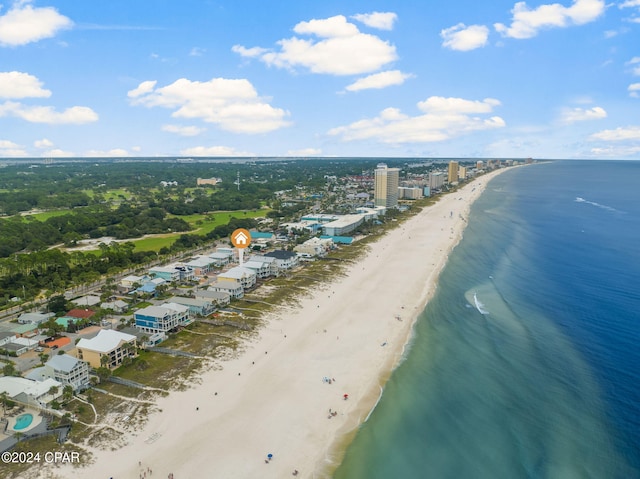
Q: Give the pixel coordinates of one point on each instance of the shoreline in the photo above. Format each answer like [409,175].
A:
[261,402]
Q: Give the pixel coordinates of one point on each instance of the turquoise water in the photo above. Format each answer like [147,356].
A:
[23,422]
[524,364]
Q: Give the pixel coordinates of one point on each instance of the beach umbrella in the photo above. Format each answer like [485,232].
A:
[346,396]
[270,456]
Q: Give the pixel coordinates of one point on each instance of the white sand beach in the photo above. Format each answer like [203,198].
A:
[272,399]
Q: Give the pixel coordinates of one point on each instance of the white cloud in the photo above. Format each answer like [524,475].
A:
[615,151]
[629,3]
[46,114]
[183,130]
[463,38]
[115,152]
[214,151]
[57,153]
[9,149]
[636,69]
[248,52]
[619,134]
[21,85]
[24,24]
[142,89]
[305,152]
[379,20]
[526,23]
[634,90]
[571,115]
[340,50]
[44,143]
[8,144]
[196,52]
[443,118]
[13,153]
[379,80]
[233,105]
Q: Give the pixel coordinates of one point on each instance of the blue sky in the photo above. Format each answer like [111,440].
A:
[306,78]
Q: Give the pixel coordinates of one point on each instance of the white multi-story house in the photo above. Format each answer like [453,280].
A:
[233,289]
[239,275]
[68,370]
[284,259]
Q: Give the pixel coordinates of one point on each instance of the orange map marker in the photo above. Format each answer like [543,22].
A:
[241,238]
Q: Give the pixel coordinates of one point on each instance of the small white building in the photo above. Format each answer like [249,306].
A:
[34,318]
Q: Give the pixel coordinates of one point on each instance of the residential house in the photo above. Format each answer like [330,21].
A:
[219,298]
[197,307]
[80,313]
[30,392]
[161,319]
[168,273]
[201,265]
[117,306]
[261,268]
[6,337]
[68,370]
[220,259]
[285,260]
[233,289]
[110,344]
[86,301]
[314,247]
[34,318]
[239,275]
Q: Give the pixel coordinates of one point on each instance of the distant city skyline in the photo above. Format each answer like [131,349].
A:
[503,79]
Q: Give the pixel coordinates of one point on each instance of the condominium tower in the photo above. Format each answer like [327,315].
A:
[386,190]
[453,171]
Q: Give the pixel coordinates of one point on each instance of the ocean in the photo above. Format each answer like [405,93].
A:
[526,362]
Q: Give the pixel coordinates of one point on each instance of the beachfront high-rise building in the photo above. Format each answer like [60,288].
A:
[386,186]
[453,172]
[462,172]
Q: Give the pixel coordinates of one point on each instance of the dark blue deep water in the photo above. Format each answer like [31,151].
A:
[526,363]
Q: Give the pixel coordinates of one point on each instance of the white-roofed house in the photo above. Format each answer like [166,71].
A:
[201,307]
[219,298]
[112,345]
[220,259]
[30,391]
[201,265]
[68,370]
[34,318]
[233,289]
[239,275]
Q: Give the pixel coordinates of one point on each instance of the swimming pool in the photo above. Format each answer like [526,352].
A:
[23,422]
